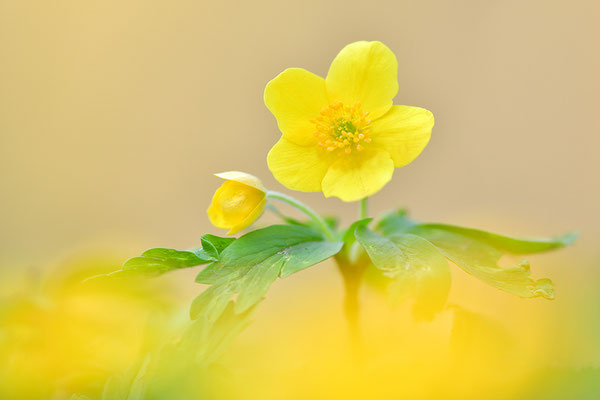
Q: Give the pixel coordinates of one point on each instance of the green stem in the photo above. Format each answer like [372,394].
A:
[275,211]
[352,275]
[306,210]
[364,208]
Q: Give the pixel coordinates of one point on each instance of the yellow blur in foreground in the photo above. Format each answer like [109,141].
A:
[69,338]
[482,346]
[238,202]
[60,335]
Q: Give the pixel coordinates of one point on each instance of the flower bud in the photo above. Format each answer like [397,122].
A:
[239,201]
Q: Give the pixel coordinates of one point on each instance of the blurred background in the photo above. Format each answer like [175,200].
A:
[114,115]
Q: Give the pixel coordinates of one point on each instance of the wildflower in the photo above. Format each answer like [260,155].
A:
[238,202]
[342,135]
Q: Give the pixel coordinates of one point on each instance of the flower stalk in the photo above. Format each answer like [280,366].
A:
[351,271]
[352,275]
[317,219]
[364,208]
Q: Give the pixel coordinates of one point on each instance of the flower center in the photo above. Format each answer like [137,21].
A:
[342,127]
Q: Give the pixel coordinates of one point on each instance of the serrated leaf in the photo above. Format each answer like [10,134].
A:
[505,243]
[253,262]
[478,252]
[212,301]
[480,258]
[307,254]
[257,282]
[214,245]
[394,223]
[417,268]
[253,248]
[208,340]
[349,236]
[160,260]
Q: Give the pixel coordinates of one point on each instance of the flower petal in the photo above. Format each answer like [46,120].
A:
[365,72]
[358,175]
[232,203]
[242,177]
[403,132]
[299,167]
[253,216]
[296,96]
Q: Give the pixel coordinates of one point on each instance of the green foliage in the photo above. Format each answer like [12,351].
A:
[394,222]
[252,263]
[418,270]
[478,252]
[158,261]
[349,236]
[213,245]
[331,220]
[182,368]
[506,243]
[411,259]
[480,259]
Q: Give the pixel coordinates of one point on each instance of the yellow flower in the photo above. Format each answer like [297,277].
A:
[342,135]
[238,202]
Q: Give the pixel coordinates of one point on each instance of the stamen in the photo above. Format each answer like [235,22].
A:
[339,126]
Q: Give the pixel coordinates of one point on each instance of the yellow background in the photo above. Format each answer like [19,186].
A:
[115,114]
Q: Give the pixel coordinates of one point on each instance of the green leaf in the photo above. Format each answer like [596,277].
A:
[159,260]
[417,268]
[349,236]
[304,255]
[506,243]
[331,221]
[478,254]
[211,302]
[254,248]
[257,282]
[214,245]
[394,222]
[206,341]
[253,262]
